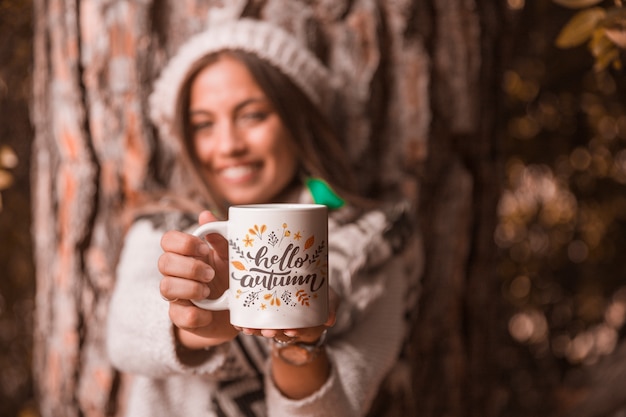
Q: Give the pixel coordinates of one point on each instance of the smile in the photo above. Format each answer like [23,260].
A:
[239,172]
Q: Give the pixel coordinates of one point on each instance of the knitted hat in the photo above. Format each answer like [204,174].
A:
[263,39]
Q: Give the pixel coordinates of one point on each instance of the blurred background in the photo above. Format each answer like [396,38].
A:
[561,230]
[17,278]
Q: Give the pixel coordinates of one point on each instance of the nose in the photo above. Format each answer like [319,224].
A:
[229,139]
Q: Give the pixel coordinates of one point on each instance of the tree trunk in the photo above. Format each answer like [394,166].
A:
[420,113]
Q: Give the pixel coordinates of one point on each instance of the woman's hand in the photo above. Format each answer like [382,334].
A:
[298,381]
[192,270]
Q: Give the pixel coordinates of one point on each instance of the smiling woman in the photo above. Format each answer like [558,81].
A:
[244,149]
[249,121]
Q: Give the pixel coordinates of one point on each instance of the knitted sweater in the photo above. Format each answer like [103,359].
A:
[235,380]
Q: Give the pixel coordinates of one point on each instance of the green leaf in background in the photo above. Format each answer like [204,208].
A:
[580,27]
[577,4]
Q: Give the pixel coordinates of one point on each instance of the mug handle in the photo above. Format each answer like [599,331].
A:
[222,302]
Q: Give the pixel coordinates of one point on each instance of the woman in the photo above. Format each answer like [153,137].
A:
[243,102]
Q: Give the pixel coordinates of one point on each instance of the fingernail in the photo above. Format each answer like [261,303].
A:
[204,249]
[209,274]
[206,291]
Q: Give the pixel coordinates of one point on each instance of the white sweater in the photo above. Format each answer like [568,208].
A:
[362,346]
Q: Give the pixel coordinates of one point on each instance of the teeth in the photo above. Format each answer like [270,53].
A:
[237,172]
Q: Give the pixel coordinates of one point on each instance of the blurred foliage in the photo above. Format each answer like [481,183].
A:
[562,216]
[603,29]
[17,280]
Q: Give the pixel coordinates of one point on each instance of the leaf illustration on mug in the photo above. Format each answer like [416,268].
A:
[256,230]
[239,265]
[236,247]
[316,255]
[309,242]
[272,239]
[273,298]
[251,299]
[285,233]
[303,297]
[286,297]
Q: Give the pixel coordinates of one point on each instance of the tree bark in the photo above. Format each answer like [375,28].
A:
[420,111]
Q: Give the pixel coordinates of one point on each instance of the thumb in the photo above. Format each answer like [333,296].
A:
[206,216]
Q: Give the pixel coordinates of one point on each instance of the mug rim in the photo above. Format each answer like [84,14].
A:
[278,206]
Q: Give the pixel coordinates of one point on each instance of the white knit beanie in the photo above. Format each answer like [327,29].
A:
[263,39]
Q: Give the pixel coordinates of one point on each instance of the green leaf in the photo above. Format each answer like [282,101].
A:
[577,4]
[580,27]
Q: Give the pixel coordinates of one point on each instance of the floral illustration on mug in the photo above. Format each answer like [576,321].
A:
[258,231]
[287,299]
[315,258]
[248,241]
[273,297]
[303,297]
[251,298]
[272,239]
[285,233]
[290,276]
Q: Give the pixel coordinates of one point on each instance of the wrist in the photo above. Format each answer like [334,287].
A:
[193,341]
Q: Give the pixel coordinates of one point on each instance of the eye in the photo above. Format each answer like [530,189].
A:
[203,126]
[254,116]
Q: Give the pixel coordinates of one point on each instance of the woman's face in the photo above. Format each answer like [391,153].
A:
[246,153]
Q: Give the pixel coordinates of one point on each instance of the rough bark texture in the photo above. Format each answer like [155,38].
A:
[421,79]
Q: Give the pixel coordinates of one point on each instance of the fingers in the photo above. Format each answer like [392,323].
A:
[188,265]
[175,265]
[306,335]
[184,244]
[185,315]
[174,288]
[216,241]
[206,217]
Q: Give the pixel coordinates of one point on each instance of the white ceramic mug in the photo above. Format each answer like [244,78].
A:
[278,265]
